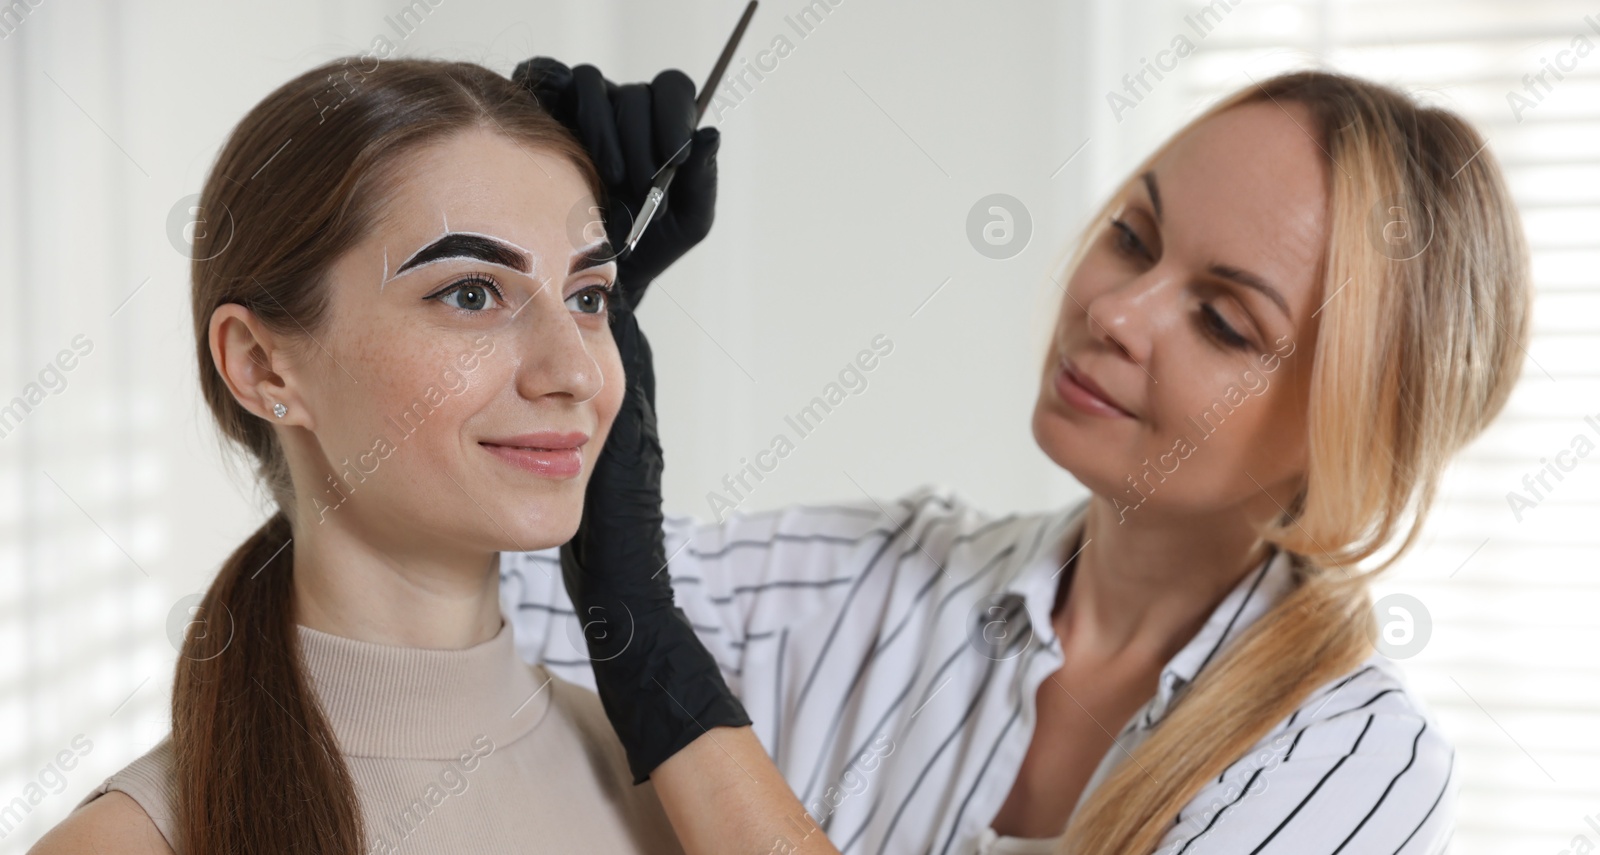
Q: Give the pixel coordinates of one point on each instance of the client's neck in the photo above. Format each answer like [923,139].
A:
[408,597]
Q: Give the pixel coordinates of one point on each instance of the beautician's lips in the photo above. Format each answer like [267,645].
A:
[1079,390]
[549,454]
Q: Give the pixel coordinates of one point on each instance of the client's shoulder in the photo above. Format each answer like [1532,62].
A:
[576,710]
[582,711]
[113,823]
[575,703]
[119,816]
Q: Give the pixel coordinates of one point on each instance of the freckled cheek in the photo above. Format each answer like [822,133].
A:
[397,379]
[388,378]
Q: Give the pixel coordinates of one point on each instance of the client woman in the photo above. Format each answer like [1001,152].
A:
[410,338]
[1273,338]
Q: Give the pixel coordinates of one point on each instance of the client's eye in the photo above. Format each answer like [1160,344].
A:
[593,300]
[472,294]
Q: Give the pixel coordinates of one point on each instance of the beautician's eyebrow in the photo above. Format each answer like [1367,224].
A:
[1250,280]
[1155,195]
[1225,271]
[594,256]
[464,245]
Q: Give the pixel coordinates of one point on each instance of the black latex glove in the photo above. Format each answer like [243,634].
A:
[631,132]
[658,683]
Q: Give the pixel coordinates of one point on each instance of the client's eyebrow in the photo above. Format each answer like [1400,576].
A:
[592,256]
[466,245]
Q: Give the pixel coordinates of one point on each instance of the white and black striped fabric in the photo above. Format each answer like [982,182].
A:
[889,655]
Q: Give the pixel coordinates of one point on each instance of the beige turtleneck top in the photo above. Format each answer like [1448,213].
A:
[458,751]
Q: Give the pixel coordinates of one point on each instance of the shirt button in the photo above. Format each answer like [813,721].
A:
[998,626]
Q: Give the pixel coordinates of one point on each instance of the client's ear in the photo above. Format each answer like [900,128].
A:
[255,364]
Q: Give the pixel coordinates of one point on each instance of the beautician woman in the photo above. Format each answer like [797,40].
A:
[1279,329]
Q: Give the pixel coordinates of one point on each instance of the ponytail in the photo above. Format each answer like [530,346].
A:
[256,761]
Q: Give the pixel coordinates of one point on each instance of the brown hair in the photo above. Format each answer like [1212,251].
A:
[303,177]
[1416,356]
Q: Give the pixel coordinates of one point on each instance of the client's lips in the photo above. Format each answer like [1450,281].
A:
[548,454]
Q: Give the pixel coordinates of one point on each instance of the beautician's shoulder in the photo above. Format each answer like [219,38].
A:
[806,561]
[1379,686]
[1362,765]
[111,824]
[1391,754]
[1375,714]
[864,519]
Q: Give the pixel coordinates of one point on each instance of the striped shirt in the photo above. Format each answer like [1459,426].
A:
[889,655]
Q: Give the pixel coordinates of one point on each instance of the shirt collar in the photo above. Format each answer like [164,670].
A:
[1040,571]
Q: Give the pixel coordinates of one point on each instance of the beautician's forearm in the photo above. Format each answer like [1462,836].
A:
[724,797]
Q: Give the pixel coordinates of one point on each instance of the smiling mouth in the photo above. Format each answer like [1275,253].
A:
[555,456]
[542,441]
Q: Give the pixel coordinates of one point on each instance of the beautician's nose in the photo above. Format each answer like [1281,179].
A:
[1130,316]
[556,356]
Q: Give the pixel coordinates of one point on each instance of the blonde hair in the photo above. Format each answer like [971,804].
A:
[1415,357]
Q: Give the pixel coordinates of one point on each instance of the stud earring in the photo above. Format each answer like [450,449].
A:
[279,410]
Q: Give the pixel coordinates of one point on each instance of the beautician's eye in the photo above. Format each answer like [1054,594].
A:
[473,293]
[1210,320]
[1212,324]
[594,300]
[1127,240]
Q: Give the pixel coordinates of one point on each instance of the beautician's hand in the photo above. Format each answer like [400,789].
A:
[631,132]
[659,685]
[680,725]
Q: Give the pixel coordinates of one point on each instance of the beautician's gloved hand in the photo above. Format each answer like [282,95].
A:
[658,683]
[631,132]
